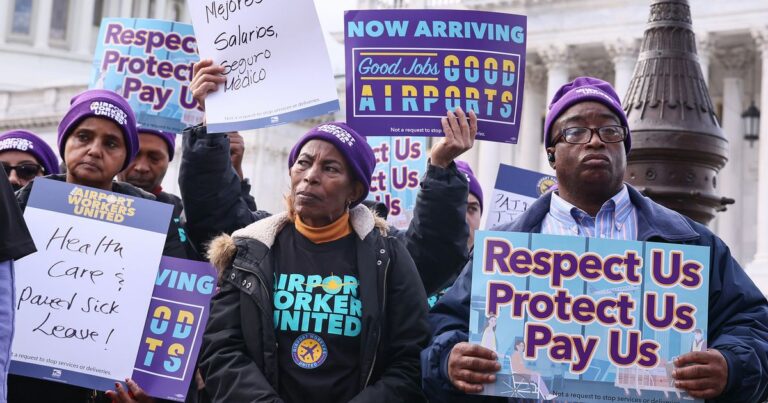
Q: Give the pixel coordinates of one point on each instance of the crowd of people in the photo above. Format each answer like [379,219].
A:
[326,302]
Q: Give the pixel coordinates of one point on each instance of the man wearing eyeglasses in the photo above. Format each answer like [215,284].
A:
[587,140]
[26,156]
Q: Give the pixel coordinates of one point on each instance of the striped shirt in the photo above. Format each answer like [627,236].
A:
[617,218]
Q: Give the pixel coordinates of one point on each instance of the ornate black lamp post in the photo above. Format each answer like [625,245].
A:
[677,144]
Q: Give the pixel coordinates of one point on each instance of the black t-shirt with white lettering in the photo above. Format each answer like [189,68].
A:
[317,316]
[15,241]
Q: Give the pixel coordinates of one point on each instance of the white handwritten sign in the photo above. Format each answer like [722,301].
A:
[82,298]
[515,190]
[275,61]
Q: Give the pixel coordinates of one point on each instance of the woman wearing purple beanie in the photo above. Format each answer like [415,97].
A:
[26,156]
[317,297]
[321,303]
[97,138]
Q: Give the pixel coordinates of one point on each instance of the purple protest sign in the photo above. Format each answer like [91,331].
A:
[406,68]
[173,332]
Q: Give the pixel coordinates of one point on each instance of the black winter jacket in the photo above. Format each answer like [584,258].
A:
[239,354]
[436,238]
[181,222]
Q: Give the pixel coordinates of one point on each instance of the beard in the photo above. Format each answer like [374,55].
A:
[142,181]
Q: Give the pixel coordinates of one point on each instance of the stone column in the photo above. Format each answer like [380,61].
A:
[143,9]
[529,146]
[83,29]
[758,268]
[43,23]
[730,178]
[126,8]
[557,58]
[705,45]
[112,8]
[623,53]
[160,8]
[4,25]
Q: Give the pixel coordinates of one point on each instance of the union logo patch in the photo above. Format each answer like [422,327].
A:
[309,351]
[545,184]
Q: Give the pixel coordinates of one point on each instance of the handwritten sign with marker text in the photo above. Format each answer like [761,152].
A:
[515,190]
[275,61]
[593,320]
[407,68]
[80,296]
[400,164]
[149,63]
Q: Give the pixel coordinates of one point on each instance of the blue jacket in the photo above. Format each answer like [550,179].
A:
[738,311]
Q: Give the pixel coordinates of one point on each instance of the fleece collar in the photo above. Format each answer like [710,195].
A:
[266,230]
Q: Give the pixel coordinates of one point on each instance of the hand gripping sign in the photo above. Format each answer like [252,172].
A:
[574,318]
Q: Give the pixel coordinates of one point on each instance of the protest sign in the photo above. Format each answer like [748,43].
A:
[149,63]
[586,319]
[80,297]
[406,68]
[173,331]
[275,61]
[515,190]
[400,164]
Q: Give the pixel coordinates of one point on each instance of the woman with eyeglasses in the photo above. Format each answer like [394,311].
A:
[26,156]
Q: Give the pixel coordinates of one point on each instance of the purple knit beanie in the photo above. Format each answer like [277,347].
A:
[101,104]
[584,89]
[168,137]
[24,141]
[474,185]
[350,144]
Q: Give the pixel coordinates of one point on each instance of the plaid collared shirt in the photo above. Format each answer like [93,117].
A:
[617,219]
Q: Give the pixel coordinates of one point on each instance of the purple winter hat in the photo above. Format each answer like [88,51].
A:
[352,146]
[474,185]
[101,104]
[584,89]
[24,141]
[168,137]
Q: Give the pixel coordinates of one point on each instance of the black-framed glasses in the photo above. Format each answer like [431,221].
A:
[583,135]
[24,171]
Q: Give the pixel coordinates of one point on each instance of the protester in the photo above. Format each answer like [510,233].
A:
[474,202]
[97,138]
[360,339]
[25,156]
[436,238]
[236,154]
[150,165]
[473,216]
[15,243]
[586,140]
[147,170]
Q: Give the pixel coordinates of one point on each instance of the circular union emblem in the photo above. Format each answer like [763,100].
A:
[309,351]
[545,184]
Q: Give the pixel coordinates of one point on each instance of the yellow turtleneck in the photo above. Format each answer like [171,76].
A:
[329,233]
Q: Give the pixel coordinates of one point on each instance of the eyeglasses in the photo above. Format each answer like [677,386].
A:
[583,135]
[24,171]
